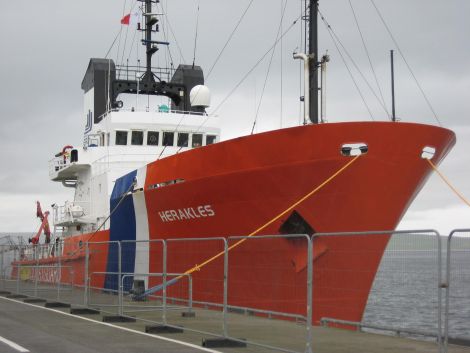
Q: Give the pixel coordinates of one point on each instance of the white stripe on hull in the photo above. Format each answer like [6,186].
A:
[142,229]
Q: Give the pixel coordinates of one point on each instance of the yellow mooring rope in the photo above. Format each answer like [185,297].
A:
[448,182]
[315,190]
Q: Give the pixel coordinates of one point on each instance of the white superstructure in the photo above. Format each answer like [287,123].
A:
[122,141]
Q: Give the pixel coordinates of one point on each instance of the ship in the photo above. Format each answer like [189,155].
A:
[141,177]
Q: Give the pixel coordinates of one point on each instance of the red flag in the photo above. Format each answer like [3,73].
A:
[126,19]
[130,19]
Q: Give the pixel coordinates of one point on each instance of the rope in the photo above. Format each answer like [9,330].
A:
[448,182]
[198,267]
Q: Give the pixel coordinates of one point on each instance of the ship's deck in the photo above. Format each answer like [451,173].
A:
[39,329]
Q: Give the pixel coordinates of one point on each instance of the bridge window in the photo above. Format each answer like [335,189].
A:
[183,138]
[137,138]
[152,138]
[197,140]
[121,138]
[210,139]
[168,138]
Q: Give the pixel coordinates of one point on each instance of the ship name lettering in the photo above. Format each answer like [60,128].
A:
[182,214]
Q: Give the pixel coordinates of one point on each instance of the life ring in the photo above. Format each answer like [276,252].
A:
[65,152]
[68,147]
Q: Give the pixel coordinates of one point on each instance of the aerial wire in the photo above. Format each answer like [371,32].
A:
[125,40]
[182,59]
[334,39]
[369,58]
[229,39]
[120,33]
[333,33]
[248,74]
[269,68]
[255,66]
[406,63]
[112,44]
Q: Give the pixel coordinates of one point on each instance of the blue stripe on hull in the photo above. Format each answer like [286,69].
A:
[123,226]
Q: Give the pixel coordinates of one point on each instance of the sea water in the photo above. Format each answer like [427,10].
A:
[405,293]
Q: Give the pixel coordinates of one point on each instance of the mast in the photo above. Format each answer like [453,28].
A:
[151,46]
[313,62]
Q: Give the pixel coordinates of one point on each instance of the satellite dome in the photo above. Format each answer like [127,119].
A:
[200,96]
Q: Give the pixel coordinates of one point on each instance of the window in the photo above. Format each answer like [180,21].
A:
[197,140]
[152,138]
[210,139]
[183,138]
[121,138]
[168,138]
[137,138]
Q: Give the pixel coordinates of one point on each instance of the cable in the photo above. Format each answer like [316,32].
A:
[229,39]
[269,68]
[112,44]
[132,45]
[255,66]
[406,63]
[166,37]
[368,57]
[119,43]
[174,37]
[330,32]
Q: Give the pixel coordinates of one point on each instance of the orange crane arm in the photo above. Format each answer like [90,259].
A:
[43,227]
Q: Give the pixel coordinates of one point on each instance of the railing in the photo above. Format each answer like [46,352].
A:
[126,72]
[56,164]
[412,280]
[64,213]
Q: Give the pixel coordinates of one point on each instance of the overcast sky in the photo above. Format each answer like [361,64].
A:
[45,48]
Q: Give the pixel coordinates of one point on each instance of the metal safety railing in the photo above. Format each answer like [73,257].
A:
[414,262]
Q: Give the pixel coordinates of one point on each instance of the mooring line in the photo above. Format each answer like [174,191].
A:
[448,182]
[315,190]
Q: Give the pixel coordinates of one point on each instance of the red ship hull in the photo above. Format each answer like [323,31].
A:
[234,187]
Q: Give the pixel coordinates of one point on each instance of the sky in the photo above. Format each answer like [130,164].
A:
[46,46]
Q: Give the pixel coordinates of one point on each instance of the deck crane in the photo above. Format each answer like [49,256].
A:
[43,227]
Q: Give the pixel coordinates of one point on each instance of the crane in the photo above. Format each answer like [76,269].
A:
[43,227]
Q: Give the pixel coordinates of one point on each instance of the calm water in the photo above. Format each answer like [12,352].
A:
[405,294]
